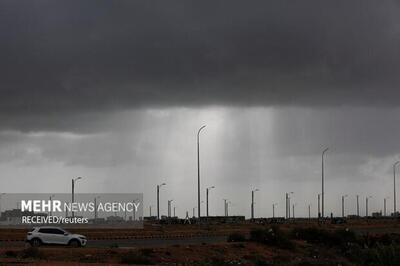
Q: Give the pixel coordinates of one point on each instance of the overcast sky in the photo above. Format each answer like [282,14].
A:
[115,91]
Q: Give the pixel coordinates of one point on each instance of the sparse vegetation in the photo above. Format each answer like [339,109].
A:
[134,257]
[271,236]
[32,252]
[11,253]
[236,237]
[325,237]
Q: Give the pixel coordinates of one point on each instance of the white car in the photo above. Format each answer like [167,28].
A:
[47,235]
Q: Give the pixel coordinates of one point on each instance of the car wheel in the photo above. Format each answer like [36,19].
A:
[74,243]
[36,242]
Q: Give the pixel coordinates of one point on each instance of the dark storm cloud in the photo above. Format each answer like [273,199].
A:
[74,56]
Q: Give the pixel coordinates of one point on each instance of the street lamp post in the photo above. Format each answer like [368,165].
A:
[394,187]
[288,205]
[366,205]
[0,201]
[294,204]
[384,205]
[73,192]
[319,205]
[95,209]
[194,212]
[344,196]
[169,208]
[207,191]
[158,200]
[358,206]
[50,198]
[225,211]
[323,177]
[273,209]
[252,203]
[198,170]
[309,211]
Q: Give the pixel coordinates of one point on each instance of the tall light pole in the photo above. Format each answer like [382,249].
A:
[366,205]
[344,196]
[294,204]
[150,210]
[50,198]
[134,211]
[95,208]
[319,205]
[73,193]
[252,203]
[225,211]
[207,191]
[227,207]
[384,205]
[169,208]
[158,200]
[323,177]
[2,194]
[273,209]
[194,212]
[288,205]
[358,206]
[174,211]
[309,211]
[198,170]
[394,187]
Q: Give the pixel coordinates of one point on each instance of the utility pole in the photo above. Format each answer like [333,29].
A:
[150,210]
[309,211]
[207,191]
[174,211]
[198,170]
[158,200]
[323,192]
[273,209]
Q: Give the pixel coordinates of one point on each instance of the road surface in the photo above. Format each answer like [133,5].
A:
[137,242]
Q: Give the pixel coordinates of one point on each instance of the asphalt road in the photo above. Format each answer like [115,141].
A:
[126,243]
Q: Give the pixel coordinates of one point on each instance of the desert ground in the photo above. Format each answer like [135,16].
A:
[357,242]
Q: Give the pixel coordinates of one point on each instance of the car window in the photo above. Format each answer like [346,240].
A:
[58,231]
[45,230]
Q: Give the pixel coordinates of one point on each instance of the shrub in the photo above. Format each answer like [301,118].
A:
[322,236]
[380,256]
[272,236]
[259,260]
[11,253]
[32,252]
[236,237]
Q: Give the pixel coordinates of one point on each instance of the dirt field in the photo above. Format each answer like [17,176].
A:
[287,244]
